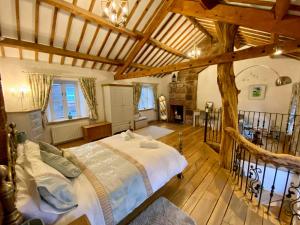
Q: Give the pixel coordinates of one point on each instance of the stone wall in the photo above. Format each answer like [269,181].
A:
[184,92]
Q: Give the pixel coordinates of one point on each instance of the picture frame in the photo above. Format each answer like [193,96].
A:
[257,91]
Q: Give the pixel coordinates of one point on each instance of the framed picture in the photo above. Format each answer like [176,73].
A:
[257,91]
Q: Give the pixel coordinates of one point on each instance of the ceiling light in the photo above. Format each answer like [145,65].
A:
[277,51]
[194,53]
[116,11]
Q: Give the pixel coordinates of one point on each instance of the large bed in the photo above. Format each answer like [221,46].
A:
[117,177]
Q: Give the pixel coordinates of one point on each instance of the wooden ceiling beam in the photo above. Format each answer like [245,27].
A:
[156,20]
[249,17]
[36,26]
[62,52]
[281,8]
[53,28]
[252,52]
[199,27]
[85,14]
[17,9]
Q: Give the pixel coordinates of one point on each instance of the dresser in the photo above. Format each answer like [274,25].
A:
[30,122]
[118,105]
[96,131]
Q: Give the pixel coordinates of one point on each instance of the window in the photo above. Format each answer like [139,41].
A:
[147,98]
[66,101]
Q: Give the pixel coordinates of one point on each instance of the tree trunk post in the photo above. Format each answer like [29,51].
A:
[229,92]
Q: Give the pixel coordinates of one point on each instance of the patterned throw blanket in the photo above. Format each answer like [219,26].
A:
[121,183]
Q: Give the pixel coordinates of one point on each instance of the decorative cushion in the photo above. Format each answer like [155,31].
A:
[56,194]
[49,148]
[60,163]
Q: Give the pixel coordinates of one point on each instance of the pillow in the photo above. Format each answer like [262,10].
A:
[31,150]
[27,198]
[49,148]
[56,194]
[60,163]
[71,157]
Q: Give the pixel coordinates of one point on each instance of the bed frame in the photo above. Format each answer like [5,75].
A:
[9,215]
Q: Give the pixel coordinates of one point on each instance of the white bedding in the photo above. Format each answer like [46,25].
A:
[161,165]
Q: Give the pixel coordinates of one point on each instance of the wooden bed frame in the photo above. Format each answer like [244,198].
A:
[9,215]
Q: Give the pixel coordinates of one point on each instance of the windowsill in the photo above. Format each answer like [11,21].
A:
[67,120]
[143,110]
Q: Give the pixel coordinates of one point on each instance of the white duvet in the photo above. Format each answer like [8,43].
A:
[161,164]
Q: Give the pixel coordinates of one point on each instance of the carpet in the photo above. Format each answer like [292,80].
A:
[154,131]
[163,212]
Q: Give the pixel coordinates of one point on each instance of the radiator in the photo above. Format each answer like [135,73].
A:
[67,132]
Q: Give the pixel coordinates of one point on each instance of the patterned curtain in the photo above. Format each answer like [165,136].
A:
[88,86]
[294,118]
[154,87]
[40,85]
[137,90]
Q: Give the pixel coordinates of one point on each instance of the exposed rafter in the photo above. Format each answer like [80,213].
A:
[199,26]
[62,52]
[252,52]
[156,20]
[250,17]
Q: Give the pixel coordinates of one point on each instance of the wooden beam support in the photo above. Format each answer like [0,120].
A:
[36,26]
[252,52]
[249,17]
[69,7]
[156,20]
[166,48]
[208,4]
[62,52]
[281,8]
[57,51]
[199,27]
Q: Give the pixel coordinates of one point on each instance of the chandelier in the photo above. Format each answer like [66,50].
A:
[194,53]
[116,11]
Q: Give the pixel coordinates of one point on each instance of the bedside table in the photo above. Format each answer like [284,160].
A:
[96,131]
[83,220]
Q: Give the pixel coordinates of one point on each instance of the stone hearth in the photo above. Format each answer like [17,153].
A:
[184,93]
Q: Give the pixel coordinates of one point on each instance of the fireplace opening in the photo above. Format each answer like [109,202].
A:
[177,113]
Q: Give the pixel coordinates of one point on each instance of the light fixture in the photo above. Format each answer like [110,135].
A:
[277,51]
[116,11]
[20,93]
[194,53]
[280,80]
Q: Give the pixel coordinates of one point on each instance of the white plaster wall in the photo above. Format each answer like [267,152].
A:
[277,98]
[13,76]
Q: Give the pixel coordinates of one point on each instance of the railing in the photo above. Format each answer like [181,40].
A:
[275,132]
[267,179]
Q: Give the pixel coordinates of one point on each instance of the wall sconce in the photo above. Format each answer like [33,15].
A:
[20,93]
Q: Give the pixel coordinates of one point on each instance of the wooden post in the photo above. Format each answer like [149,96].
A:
[229,92]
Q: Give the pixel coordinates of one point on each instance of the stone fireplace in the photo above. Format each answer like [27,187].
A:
[183,96]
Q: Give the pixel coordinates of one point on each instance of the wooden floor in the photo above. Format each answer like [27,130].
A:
[207,192]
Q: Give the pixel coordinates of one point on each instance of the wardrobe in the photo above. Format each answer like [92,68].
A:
[118,103]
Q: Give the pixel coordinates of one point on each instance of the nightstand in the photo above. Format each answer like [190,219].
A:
[96,131]
[83,220]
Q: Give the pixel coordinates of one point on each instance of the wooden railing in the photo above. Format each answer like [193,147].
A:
[267,179]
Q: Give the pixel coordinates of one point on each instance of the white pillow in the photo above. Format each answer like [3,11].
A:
[27,198]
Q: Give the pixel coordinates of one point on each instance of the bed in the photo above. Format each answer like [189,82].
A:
[117,177]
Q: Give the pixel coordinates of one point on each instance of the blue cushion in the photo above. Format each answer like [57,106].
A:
[63,165]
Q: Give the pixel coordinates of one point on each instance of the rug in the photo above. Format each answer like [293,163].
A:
[163,212]
[154,131]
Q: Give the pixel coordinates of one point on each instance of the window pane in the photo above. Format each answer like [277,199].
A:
[147,98]
[71,99]
[57,101]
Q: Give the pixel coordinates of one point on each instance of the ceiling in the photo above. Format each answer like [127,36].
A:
[88,43]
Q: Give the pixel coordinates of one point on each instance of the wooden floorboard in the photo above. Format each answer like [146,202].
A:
[207,192]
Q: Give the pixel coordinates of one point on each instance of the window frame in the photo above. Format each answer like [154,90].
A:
[50,108]
[153,104]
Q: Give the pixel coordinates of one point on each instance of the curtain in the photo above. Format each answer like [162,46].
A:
[137,90]
[88,86]
[294,118]
[40,85]
[154,87]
